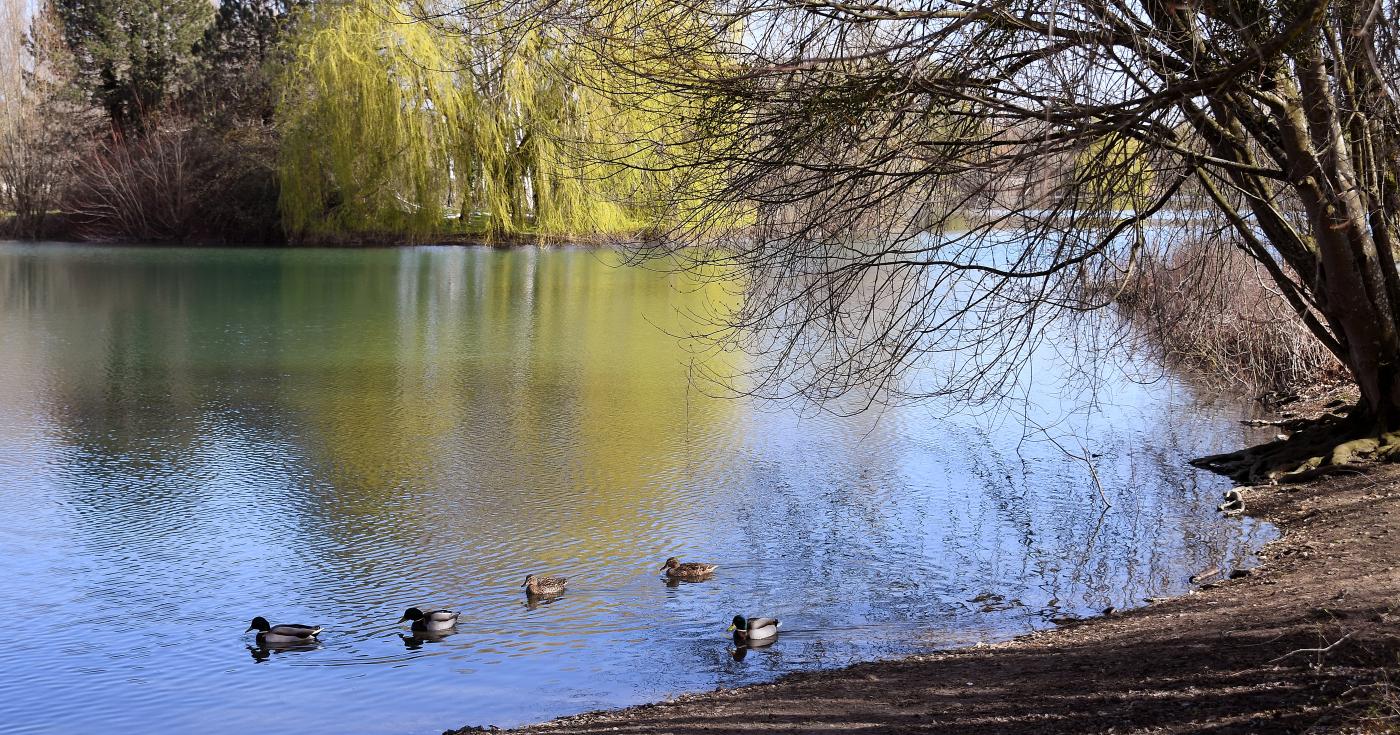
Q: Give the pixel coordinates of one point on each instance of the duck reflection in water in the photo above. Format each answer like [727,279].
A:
[534,602]
[415,641]
[742,649]
[261,653]
[674,582]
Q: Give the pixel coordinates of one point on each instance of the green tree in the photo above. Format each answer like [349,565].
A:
[238,56]
[395,126]
[133,55]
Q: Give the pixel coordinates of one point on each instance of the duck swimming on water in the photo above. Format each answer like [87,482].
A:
[692,570]
[433,621]
[753,630]
[535,585]
[290,634]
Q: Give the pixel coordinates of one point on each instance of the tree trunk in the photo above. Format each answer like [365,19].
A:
[1351,287]
[1342,261]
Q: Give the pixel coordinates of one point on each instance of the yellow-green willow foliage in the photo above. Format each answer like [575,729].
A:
[394,126]
[1116,172]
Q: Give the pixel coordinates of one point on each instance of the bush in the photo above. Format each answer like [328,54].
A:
[34,168]
[177,182]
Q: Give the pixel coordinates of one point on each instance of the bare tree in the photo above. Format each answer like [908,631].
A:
[12,67]
[12,24]
[39,121]
[943,177]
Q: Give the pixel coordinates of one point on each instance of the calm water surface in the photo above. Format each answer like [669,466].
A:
[189,438]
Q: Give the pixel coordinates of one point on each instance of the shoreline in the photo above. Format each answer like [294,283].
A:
[66,232]
[1231,656]
[502,244]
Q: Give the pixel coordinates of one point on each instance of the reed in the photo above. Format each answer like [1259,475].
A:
[1213,310]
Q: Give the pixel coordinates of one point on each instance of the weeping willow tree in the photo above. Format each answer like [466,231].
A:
[1114,173]
[394,125]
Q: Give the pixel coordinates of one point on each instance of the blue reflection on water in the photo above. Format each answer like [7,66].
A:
[189,438]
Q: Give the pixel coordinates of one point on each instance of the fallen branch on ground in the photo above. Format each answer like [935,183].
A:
[1311,650]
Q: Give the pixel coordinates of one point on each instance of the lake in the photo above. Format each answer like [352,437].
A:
[192,437]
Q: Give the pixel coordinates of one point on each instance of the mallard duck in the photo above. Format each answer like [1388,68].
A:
[544,585]
[290,634]
[690,570]
[747,630]
[431,621]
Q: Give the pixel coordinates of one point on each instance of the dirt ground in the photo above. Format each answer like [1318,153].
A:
[1230,658]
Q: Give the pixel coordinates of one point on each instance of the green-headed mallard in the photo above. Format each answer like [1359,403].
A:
[544,585]
[748,630]
[431,621]
[290,634]
[689,570]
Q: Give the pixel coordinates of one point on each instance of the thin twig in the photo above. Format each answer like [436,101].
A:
[1089,462]
[1312,650]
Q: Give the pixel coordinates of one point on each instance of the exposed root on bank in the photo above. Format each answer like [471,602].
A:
[1327,445]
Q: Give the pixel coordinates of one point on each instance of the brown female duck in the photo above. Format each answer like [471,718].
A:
[690,570]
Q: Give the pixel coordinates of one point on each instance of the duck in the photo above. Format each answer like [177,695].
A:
[535,585]
[290,634]
[748,630]
[431,621]
[689,570]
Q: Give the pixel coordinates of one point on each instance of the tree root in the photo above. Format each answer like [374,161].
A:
[1291,424]
[1328,445]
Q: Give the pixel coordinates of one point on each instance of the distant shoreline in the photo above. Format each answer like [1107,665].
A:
[60,230]
[513,243]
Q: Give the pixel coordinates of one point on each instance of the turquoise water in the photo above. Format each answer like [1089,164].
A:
[189,438]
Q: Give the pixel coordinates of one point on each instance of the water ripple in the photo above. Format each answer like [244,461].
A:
[191,438]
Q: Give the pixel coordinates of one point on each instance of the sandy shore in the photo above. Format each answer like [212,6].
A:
[1229,658]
